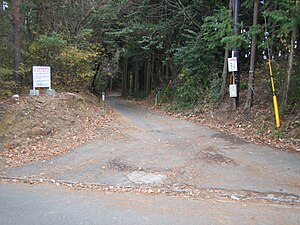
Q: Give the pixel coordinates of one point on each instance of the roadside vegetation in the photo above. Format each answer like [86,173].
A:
[176,48]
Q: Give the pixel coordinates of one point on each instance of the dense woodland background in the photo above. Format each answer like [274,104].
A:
[177,46]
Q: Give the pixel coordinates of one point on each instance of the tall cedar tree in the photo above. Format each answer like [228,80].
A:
[290,66]
[252,60]
[16,38]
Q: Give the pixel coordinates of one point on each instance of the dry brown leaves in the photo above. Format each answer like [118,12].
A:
[39,128]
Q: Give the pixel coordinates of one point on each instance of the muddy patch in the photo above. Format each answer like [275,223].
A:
[212,156]
[230,138]
[120,165]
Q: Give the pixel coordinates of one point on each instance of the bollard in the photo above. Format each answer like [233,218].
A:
[158,98]
[103,101]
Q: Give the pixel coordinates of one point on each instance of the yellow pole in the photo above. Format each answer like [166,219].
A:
[275,102]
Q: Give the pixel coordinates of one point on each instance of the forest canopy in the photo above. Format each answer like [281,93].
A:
[179,47]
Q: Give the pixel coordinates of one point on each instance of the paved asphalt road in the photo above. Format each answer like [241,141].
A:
[182,154]
[23,204]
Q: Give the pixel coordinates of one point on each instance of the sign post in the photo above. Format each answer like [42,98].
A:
[41,77]
[232,64]
[232,67]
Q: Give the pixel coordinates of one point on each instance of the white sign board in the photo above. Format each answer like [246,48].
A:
[232,91]
[41,76]
[232,64]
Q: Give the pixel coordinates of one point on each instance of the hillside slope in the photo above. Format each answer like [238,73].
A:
[37,128]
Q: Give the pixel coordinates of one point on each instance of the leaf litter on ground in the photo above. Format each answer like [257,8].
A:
[42,127]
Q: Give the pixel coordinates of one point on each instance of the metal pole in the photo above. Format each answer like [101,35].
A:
[236,19]
[269,57]
[275,103]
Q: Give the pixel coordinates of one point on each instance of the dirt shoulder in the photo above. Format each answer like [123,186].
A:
[39,128]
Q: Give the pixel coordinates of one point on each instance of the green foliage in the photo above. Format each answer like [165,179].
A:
[187,94]
[284,17]
[263,129]
[6,82]
[214,90]
[4,72]
[279,73]
[197,60]
[76,66]
[100,84]
[234,41]
[185,41]
[45,50]
[217,29]
[243,86]
[277,133]
[294,93]
[71,65]
[268,129]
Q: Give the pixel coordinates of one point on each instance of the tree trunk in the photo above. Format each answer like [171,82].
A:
[225,65]
[97,71]
[224,76]
[152,73]
[136,81]
[249,99]
[167,70]
[16,38]
[130,81]
[148,76]
[173,70]
[125,76]
[289,72]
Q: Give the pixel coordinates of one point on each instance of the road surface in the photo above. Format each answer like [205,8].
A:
[158,152]
[48,205]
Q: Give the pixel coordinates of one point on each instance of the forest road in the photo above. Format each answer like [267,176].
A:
[180,153]
[169,155]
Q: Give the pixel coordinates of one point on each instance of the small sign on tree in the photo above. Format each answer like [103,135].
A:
[232,64]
